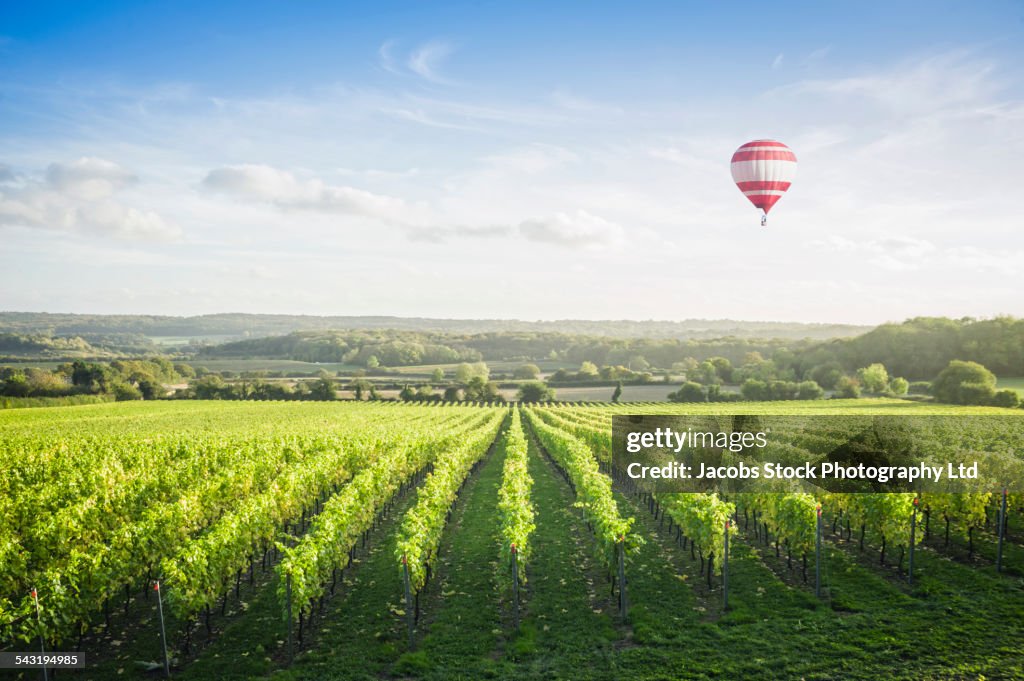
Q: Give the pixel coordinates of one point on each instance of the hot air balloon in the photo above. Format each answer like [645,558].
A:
[763,170]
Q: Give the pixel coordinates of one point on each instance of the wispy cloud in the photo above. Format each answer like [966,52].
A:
[386,57]
[426,59]
[284,190]
[817,55]
[777,62]
[921,85]
[577,229]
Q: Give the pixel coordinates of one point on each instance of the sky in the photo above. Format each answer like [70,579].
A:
[510,160]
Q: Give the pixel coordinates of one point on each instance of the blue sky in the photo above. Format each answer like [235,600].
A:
[510,159]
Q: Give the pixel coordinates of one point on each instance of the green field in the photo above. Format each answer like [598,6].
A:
[1016,383]
[285,365]
[225,500]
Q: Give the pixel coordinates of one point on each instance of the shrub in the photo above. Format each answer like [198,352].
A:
[964,383]
[1006,398]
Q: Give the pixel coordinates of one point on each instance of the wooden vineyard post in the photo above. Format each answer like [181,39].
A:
[1002,532]
[913,540]
[725,569]
[408,602]
[42,640]
[163,631]
[288,599]
[817,555]
[515,586]
[623,603]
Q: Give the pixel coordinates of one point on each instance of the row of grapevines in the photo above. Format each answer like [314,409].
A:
[91,550]
[201,570]
[593,488]
[703,518]
[514,498]
[420,532]
[312,561]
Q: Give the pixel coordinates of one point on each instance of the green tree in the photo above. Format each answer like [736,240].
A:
[359,387]
[617,394]
[638,363]
[479,389]
[964,383]
[123,391]
[526,371]
[827,375]
[466,372]
[323,389]
[209,387]
[809,390]
[847,387]
[755,390]
[899,386]
[688,392]
[184,370]
[874,378]
[723,368]
[587,370]
[685,365]
[705,374]
[16,385]
[1008,399]
[437,375]
[535,391]
[372,362]
[452,394]
[151,389]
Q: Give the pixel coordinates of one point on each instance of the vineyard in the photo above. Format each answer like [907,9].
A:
[214,540]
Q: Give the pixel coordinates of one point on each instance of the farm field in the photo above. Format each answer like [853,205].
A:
[655,392]
[1015,383]
[372,519]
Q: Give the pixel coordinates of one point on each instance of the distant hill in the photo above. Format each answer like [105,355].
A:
[236,326]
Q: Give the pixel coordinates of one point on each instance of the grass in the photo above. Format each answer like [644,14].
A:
[1011,383]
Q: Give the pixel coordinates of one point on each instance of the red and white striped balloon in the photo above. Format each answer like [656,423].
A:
[763,170]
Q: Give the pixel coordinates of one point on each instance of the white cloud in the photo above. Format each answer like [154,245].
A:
[777,62]
[89,179]
[425,60]
[282,189]
[77,197]
[578,228]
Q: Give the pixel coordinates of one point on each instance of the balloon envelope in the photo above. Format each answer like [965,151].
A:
[763,170]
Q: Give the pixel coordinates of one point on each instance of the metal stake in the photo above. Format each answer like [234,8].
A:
[725,569]
[288,598]
[913,541]
[163,631]
[408,603]
[623,603]
[817,556]
[42,640]
[1002,530]
[515,585]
